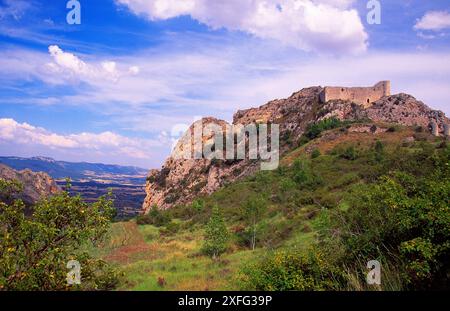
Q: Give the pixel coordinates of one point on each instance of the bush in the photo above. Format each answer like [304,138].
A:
[283,271]
[35,250]
[314,130]
[315,154]
[349,154]
[404,219]
[303,175]
[198,205]
[170,229]
[155,217]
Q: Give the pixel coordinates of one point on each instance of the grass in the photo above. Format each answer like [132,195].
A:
[153,259]
[154,262]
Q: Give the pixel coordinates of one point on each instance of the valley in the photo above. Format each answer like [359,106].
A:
[92,180]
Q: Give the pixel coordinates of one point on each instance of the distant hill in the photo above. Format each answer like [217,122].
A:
[78,171]
[35,184]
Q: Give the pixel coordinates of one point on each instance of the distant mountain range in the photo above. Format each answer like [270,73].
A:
[78,171]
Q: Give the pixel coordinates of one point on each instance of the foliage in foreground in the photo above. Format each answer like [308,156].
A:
[35,250]
[287,270]
[402,220]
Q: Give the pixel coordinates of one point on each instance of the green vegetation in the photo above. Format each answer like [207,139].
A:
[216,235]
[327,216]
[154,217]
[312,224]
[253,211]
[314,130]
[35,250]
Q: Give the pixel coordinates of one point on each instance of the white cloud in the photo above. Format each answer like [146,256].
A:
[434,20]
[106,143]
[66,65]
[175,84]
[311,25]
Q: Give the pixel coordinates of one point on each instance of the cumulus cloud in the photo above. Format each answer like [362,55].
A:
[434,21]
[106,143]
[311,25]
[69,66]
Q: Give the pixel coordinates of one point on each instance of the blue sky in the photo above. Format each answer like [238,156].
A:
[116,88]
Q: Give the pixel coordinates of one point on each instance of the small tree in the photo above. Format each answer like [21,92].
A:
[216,235]
[253,210]
[35,249]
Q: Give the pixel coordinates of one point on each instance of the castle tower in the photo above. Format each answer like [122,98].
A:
[385,86]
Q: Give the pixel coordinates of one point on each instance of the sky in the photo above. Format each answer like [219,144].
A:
[122,85]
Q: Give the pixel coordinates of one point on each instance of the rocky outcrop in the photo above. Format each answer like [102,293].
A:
[36,185]
[181,180]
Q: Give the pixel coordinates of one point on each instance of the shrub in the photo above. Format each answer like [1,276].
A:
[155,217]
[303,175]
[349,154]
[315,154]
[392,129]
[35,250]
[198,205]
[314,130]
[170,229]
[283,271]
[403,217]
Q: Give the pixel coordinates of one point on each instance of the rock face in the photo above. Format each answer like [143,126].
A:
[35,184]
[181,180]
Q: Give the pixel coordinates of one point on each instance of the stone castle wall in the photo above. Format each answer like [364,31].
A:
[363,96]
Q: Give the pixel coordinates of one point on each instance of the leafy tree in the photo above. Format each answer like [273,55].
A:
[216,234]
[254,209]
[34,250]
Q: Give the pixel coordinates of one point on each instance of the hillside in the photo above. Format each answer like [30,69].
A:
[35,185]
[179,181]
[318,185]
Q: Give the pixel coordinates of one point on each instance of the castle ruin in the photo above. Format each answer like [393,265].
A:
[363,96]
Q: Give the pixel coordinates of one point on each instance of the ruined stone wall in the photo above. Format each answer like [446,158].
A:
[363,96]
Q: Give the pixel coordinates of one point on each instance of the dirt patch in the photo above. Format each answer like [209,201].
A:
[131,247]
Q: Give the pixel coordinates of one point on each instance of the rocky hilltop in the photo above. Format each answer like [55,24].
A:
[35,184]
[179,181]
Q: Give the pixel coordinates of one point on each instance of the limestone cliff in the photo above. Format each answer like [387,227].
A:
[36,185]
[180,181]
